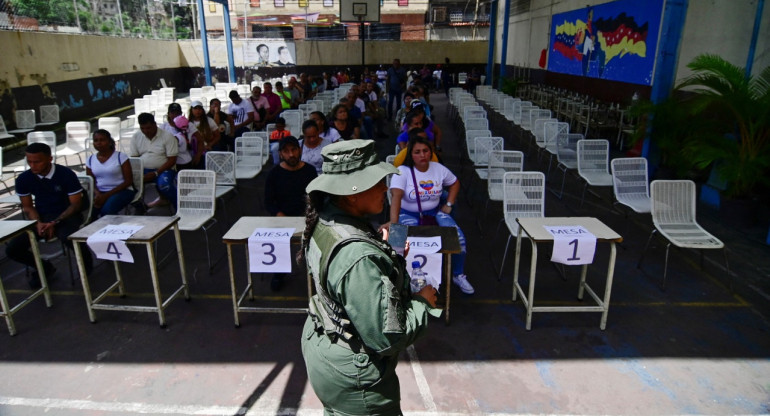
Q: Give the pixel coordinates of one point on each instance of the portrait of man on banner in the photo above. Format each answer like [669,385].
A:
[271,53]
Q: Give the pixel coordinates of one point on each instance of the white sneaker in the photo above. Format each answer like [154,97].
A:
[461,280]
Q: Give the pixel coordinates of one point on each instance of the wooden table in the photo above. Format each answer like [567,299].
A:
[239,234]
[10,229]
[450,244]
[534,229]
[152,229]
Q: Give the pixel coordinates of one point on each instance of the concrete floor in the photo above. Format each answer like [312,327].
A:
[696,348]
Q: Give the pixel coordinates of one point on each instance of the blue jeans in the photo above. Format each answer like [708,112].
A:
[276,154]
[166,183]
[116,202]
[444,220]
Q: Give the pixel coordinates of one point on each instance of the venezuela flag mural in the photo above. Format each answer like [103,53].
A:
[614,41]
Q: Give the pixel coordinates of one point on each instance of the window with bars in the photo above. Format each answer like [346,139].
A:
[439,14]
[303,3]
[328,3]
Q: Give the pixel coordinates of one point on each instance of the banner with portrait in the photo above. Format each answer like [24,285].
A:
[615,41]
[269,53]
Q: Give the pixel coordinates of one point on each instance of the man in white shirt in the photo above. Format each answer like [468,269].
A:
[158,150]
[242,112]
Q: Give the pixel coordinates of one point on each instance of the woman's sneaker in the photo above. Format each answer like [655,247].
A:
[461,280]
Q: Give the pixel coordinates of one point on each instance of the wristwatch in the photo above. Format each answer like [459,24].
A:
[449,204]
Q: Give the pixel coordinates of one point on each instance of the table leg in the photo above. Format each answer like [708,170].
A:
[155,283]
[249,281]
[233,290]
[119,277]
[6,310]
[84,281]
[516,263]
[531,291]
[448,273]
[582,287]
[182,267]
[608,288]
[40,269]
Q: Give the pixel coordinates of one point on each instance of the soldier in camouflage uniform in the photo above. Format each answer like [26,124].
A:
[363,314]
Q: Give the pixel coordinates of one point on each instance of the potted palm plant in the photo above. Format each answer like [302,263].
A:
[720,119]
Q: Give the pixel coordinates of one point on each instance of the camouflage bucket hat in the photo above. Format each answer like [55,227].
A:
[350,167]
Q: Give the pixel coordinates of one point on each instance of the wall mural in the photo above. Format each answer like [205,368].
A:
[614,41]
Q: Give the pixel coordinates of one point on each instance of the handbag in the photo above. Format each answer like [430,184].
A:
[424,218]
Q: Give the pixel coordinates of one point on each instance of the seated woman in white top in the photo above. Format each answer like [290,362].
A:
[111,170]
[311,145]
[420,176]
[324,130]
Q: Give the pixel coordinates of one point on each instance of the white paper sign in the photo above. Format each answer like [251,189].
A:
[572,244]
[270,251]
[425,250]
[108,243]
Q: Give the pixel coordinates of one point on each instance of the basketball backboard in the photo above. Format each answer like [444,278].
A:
[360,11]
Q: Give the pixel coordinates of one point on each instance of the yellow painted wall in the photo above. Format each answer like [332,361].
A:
[30,58]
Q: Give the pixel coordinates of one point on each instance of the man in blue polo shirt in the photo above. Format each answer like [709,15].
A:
[56,207]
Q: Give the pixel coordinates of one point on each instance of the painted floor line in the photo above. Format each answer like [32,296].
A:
[733,304]
[162,409]
[422,382]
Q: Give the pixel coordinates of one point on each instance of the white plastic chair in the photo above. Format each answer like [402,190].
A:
[49,114]
[523,197]
[470,144]
[137,171]
[518,109]
[500,162]
[673,215]
[111,124]
[629,183]
[3,131]
[567,156]
[248,157]
[476,123]
[593,157]
[77,133]
[25,121]
[196,203]
[554,131]
[223,164]
[483,146]
[265,142]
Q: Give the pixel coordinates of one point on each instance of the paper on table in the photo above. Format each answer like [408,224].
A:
[572,244]
[270,251]
[108,243]
[426,251]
